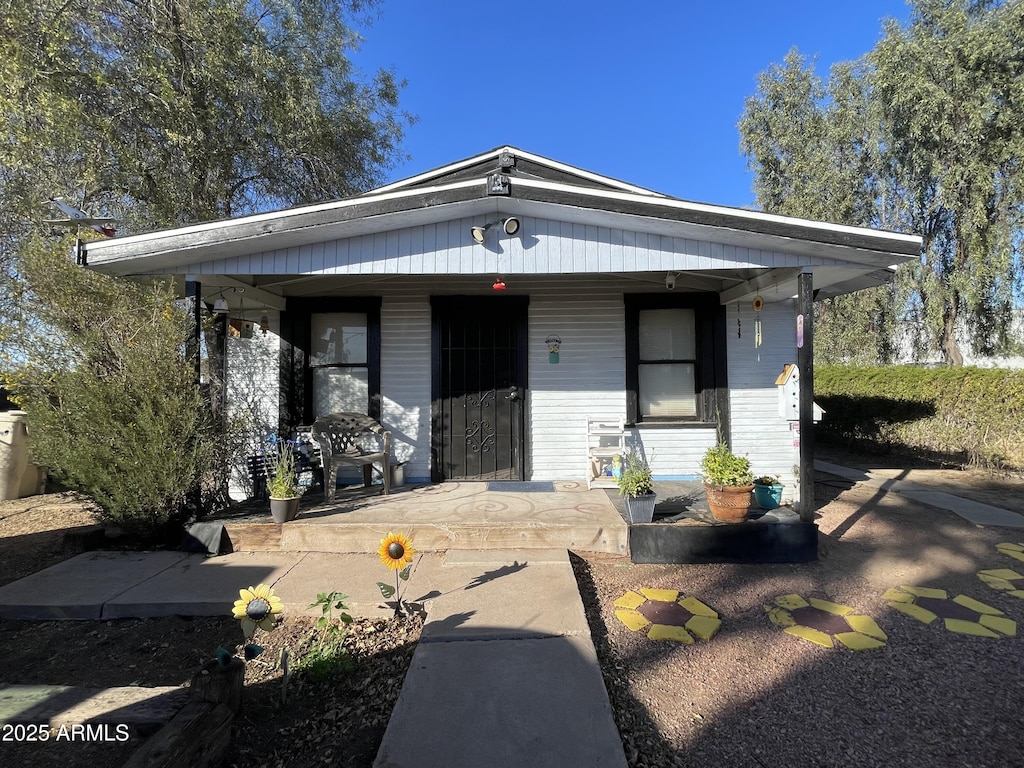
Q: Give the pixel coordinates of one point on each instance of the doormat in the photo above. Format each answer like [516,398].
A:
[517,486]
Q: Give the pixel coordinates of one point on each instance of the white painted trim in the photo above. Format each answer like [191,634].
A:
[96,246]
[519,153]
[721,210]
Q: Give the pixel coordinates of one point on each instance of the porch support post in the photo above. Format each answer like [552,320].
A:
[194,304]
[805,367]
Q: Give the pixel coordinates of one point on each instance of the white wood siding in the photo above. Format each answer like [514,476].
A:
[674,454]
[405,381]
[588,380]
[544,247]
[252,395]
[757,428]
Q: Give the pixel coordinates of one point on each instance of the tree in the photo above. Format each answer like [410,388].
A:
[815,151]
[920,135]
[193,110]
[159,113]
[951,87]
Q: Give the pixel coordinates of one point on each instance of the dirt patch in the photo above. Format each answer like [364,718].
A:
[32,532]
[340,719]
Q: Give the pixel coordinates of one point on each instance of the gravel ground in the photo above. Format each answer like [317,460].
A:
[756,696]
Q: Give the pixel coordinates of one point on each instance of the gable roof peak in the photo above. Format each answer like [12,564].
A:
[514,162]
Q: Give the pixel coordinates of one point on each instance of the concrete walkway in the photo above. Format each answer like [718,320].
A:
[972,511]
[505,673]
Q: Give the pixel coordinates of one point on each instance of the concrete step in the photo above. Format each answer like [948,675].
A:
[600,535]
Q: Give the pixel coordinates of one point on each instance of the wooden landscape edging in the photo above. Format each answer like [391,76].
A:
[200,734]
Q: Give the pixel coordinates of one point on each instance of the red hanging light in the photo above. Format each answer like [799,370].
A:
[499,284]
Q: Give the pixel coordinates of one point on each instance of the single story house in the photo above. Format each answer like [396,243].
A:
[487,310]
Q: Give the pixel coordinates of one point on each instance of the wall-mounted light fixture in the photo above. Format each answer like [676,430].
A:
[509,225]
[670,281]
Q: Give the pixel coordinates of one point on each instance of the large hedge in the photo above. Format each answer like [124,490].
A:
[965,414]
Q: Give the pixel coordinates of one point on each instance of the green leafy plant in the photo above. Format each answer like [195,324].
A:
[284,481]
[767,480]
[327,656]
[636,478]
[723,468]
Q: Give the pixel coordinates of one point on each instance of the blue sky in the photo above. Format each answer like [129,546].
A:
[646,92]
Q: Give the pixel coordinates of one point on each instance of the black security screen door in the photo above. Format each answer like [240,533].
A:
[479,387]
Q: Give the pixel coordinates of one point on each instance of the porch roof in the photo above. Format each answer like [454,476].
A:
[530,187]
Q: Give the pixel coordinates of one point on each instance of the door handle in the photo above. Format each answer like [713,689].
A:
[513,393]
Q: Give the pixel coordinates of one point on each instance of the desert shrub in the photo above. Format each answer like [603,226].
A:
[106,372]
[968,414]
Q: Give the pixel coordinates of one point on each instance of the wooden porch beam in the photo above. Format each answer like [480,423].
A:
[805,366]
[747,290]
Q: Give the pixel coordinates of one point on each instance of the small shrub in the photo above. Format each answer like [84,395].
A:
[636,478]
[722,467]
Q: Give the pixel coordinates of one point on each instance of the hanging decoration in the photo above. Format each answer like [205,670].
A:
[739,325]
[758,304]
[499,284]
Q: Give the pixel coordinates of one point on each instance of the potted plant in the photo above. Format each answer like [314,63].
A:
[637,485]
[768,491]
[728,483]
[283,485]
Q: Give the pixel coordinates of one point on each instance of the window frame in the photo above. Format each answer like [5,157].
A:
[296,371]
[710,367]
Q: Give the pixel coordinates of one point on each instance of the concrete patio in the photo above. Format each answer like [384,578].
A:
[451,515]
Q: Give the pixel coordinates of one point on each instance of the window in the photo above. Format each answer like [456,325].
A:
[675,359]
[667,364]
[339,362]
[330,357]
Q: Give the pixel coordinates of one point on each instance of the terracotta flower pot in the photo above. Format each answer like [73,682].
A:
[730,504]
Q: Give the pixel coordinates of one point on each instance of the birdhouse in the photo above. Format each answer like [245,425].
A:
[788,383]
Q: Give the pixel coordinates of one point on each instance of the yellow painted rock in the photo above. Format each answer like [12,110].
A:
[791,602]
[665,632]
[630,600]
[867,626]
[830,607]
[697,608]
[925,592]
[915,611]
[668,595]
[807,633]
[704,627]
[632,619]
[1000,624]
[855,641]
[974,605]
[969,628]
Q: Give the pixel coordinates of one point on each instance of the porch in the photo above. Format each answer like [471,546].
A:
[438,517]
[523,516]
